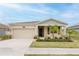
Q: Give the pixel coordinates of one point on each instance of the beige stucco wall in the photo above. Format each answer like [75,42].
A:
[45,31]
[36,30]
[26,26]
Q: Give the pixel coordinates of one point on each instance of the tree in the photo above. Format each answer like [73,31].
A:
[53,29]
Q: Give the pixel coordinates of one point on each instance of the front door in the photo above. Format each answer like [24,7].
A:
[41,31]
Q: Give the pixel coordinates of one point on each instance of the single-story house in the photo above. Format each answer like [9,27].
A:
[28,30]
[4,29]
[75,27]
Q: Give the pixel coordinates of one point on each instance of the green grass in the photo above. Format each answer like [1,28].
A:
[55,45]
[74,44]
[51,54]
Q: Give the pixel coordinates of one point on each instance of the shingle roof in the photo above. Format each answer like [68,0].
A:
[25,23]
[55,21]
[75,26]
[34,22]
[3,26]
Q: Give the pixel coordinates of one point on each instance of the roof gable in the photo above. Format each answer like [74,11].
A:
[52,22]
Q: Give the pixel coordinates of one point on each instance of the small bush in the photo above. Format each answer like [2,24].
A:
[56,38]
[39,40]
[5,37]
[35,37]
[47,38]
[66,39]
[60,38]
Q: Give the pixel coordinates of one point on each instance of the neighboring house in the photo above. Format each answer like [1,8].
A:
[75,27]
[28,30]
[4,29]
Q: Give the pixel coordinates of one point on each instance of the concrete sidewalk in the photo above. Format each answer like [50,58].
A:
[52,51]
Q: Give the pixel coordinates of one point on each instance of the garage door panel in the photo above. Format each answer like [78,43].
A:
[23,33]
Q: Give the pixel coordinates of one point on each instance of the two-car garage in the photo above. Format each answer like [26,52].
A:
[23,33]
[24,30]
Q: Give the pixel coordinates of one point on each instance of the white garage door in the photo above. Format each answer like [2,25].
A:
[23,33]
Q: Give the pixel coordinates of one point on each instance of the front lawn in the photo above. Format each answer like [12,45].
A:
[74,44]
[55,45]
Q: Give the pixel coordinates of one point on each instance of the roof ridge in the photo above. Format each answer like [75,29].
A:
[24,22]
[55,20]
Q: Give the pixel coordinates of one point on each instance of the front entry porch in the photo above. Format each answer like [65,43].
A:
[43,31]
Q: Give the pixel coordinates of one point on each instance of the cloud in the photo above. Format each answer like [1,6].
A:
[12,6]
[71,12]
[75,6]
[43,9]
[47,10]
[1,14]
[20,8]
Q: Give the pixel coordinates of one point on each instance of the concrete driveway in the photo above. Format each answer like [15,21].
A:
[14,47]
[16,43]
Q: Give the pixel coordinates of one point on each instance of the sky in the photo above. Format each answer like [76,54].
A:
[23,12]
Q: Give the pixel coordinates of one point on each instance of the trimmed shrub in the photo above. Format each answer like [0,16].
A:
[60,38]
[47,38]
[56,38]
[5,37]
[35,37]
[39,40]
[66,39]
